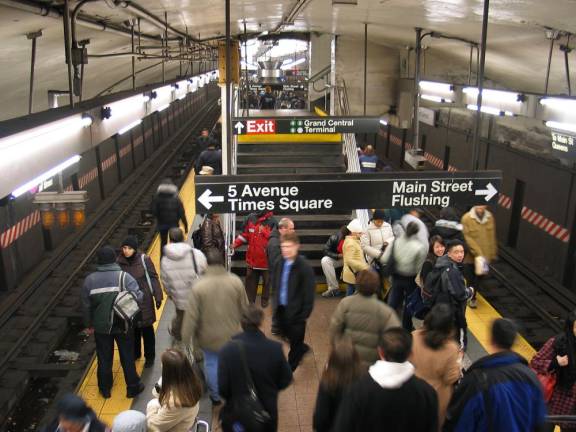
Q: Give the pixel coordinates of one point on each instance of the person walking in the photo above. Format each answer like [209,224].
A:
[140,267]
[266,363]
[294,289]
[332,260]
[98,295]
[436,356]
[352,256]
[557,357]
[446,284]
[363,318]
[256,232]
[404,259]
[342,370]
[368,160]
[436,250]
[215,306]
[390,397]
[415,216]
[376,238]
[168,210]
[74,415]
[479,232]
[448,226]
[499,392]
[176,404]
[211,157]
[268,100]
[180,268]
[273,250]
[205,140]
[212,234]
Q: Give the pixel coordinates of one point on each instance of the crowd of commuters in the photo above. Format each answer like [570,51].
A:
[398,337]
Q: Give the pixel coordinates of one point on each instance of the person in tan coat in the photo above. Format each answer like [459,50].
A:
[217,302]
[436,356]
[353,256]
[479,232]
[363,318]
[177,396]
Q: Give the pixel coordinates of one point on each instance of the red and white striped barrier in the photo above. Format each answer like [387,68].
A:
[87,178]
[20,228]
[108,162]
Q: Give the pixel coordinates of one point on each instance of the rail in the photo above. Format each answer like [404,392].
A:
[230,218]
[350,148]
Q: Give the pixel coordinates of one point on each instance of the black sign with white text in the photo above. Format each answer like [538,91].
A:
[563,144]
[325,193]
[304,125]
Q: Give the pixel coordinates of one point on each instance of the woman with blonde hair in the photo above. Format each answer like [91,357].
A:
[177,395]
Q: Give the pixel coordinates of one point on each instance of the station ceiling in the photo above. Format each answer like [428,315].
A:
[516,57]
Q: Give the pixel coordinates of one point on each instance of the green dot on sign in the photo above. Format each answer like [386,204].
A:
[292,122]
[292,130]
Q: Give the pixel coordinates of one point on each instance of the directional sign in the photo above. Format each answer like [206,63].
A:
[563,144]
[307,125]
[325,193]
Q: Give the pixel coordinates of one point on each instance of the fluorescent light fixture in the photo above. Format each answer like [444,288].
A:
[129,126]
[163,107]
[292,64]
[383,122]
[435,86]
[495,95]
[86,120]
[146,98]
[48,174]
[490,110]
[559,103]
[250,66]
[437,99]
[567,127]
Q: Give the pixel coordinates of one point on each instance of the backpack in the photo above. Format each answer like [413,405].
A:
[197,236]
[433,288]
[125,305]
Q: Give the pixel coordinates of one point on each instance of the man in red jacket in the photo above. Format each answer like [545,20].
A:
[257,230]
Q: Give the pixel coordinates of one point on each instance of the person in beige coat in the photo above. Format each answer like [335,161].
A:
[363,318]
[217,302]
[177,399]
[436,356]
[353,256]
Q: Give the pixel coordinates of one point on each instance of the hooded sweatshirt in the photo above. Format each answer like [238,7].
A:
[389,398]
[177,271]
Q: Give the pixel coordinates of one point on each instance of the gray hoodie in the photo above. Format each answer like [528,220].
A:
[129,421]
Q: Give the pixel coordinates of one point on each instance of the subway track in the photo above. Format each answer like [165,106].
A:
[45,315]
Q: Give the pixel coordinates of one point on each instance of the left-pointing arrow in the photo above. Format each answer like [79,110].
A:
[206,199]
[490,191]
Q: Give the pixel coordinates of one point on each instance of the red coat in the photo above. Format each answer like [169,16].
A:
[257,230]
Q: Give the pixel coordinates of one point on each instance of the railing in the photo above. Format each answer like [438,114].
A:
[230,218]
[322,76]
[342,107]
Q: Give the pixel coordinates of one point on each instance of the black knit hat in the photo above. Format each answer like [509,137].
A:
[73,408]
[106,255]
[131,241]
[379,214]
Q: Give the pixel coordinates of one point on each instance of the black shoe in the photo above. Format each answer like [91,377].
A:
[149,363]
[135,392]
[216,402]
[105,394]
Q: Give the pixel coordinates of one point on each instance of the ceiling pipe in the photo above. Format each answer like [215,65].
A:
[290,17]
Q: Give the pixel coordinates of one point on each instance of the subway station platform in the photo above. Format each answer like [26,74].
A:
[296,403]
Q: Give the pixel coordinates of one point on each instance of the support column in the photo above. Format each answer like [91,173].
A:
[416,116]
[32,37]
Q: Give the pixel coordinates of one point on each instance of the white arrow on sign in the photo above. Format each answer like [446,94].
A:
[239,126]
[490,191]
[206,199]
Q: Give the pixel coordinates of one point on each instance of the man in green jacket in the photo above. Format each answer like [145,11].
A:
[98,294]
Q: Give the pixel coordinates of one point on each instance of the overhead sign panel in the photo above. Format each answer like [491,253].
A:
[323,193]
[305,125]
[563,144]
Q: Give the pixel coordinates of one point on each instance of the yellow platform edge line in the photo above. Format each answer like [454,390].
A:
[107,409]
[479,323]
[289,138]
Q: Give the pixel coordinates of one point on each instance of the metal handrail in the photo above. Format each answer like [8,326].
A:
[230,219]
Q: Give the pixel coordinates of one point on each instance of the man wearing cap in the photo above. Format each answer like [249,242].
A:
[74,415]
[98,295]
[353,256]
[211,157]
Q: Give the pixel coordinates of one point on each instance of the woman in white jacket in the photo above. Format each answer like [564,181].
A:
[378,235]
[177,401]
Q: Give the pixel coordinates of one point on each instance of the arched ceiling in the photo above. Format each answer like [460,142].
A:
[516,57]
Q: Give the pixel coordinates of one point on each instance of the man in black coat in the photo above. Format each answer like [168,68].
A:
[210,157]
[294,285]
[168,210]
[265,360]
[390,397]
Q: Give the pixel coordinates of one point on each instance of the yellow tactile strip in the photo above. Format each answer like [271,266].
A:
[290,138]
[479,322]
[107,409]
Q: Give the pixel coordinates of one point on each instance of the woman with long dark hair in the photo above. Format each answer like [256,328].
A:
[177,396]
[342,369]
[436,249]
[558,356]
[436,355]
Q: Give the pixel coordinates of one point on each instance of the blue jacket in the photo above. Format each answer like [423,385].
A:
[513,393]
[368,164]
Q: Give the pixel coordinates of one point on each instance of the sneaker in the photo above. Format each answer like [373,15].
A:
[105,394]
[135,392]
[472,303]
[330,293]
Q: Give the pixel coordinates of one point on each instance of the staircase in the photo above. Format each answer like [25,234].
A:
[289,154]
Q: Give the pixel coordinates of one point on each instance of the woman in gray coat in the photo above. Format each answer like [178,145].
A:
[141,268]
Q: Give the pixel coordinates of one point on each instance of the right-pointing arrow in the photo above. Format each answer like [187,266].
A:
[206,199]
[489,192]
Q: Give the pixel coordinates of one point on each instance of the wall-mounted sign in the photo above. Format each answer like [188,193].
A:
[307,125]
[427,116]
[563,144]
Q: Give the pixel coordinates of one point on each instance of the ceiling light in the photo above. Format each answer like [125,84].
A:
[43,177]
[490,110]
[383,122]
[567,127]
[495,95]
[294,63]
[146,98]
[86,120]
[435,86]
[559,103]
[437,99]
[129,126]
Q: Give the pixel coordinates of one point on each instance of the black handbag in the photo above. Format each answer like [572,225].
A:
[390,267]
[245,412]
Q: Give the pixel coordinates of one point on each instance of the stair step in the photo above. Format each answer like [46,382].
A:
[334,148]
[276,157]
[289,169]
[239,267]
